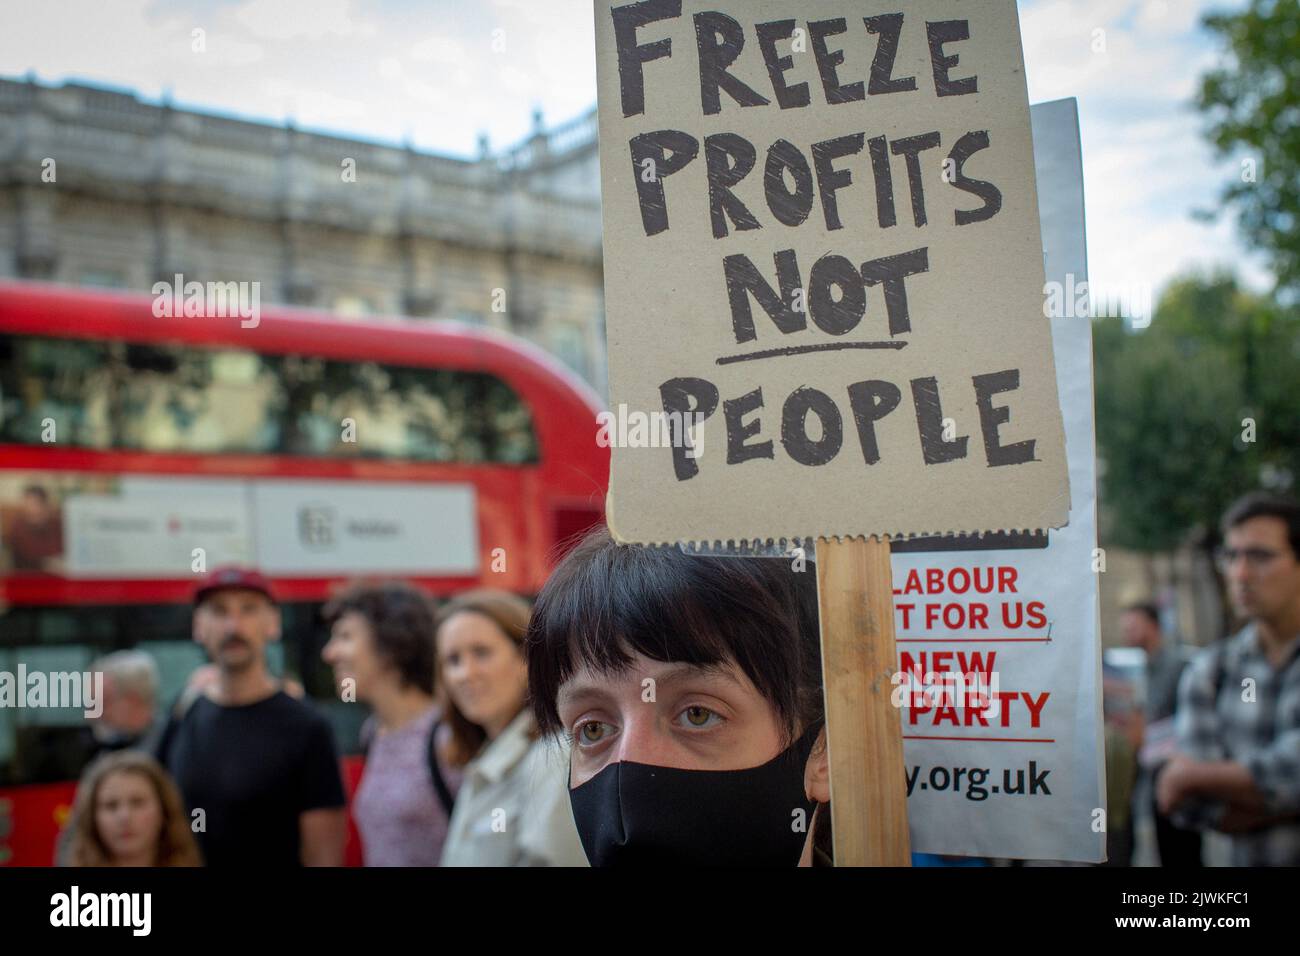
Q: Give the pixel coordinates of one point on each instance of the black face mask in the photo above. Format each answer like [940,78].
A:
[635,814]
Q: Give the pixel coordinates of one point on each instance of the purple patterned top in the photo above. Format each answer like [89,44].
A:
[397,810]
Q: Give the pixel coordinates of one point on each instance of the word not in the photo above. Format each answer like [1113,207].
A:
[636,429]
[836,294]
[213,300]
[56,689]
[869,402]
[103,909]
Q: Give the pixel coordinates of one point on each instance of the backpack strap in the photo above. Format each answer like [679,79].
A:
[439,783]
[445,797]
[366,735]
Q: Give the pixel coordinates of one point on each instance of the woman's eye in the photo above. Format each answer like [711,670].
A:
[700,717]
[592,732]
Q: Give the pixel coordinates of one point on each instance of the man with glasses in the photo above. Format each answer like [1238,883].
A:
[1238,718]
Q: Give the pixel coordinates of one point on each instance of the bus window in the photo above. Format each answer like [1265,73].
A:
[170,398]
[47,380]
[419,414]
[192,400]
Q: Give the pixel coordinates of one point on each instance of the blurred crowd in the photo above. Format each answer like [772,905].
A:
[1206,741]
[650,707]
[241,769]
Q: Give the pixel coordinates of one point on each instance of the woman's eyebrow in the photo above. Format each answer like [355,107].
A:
[573,691]
[677,673]
[599,685]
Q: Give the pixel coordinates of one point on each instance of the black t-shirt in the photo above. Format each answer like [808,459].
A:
[253,769]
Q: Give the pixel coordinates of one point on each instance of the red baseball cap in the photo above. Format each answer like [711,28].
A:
[231,577]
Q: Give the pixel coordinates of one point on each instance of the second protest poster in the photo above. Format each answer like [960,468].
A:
[1021,778]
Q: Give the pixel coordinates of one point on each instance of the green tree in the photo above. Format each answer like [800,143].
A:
[1252,102]
[1194,410]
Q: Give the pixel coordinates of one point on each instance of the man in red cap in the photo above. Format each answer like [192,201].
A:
[257,768]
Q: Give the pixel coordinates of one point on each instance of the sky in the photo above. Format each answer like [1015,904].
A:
[440,73]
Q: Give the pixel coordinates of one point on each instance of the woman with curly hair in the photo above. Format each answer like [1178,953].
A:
[128,812]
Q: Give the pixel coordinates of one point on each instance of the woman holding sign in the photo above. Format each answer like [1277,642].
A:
[690,689]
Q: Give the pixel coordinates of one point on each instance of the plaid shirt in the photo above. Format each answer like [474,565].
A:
[1218,719]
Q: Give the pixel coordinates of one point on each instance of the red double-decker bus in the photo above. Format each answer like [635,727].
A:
[136,451]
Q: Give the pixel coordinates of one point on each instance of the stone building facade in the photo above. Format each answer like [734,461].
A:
[100,188]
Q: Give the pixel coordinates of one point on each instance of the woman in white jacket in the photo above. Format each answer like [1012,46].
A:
[513,806]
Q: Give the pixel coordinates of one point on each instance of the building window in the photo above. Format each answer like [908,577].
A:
[102,278]
[570,347]
[352,306]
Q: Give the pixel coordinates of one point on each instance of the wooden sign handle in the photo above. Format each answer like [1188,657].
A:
[855,603]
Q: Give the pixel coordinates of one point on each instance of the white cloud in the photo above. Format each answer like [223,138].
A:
[1146,163]
[1065,55]
[296,102]
[1178,16]
[287,19]
[442,50]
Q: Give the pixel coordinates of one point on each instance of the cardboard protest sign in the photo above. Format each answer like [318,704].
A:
[823,271]
[1002,743]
